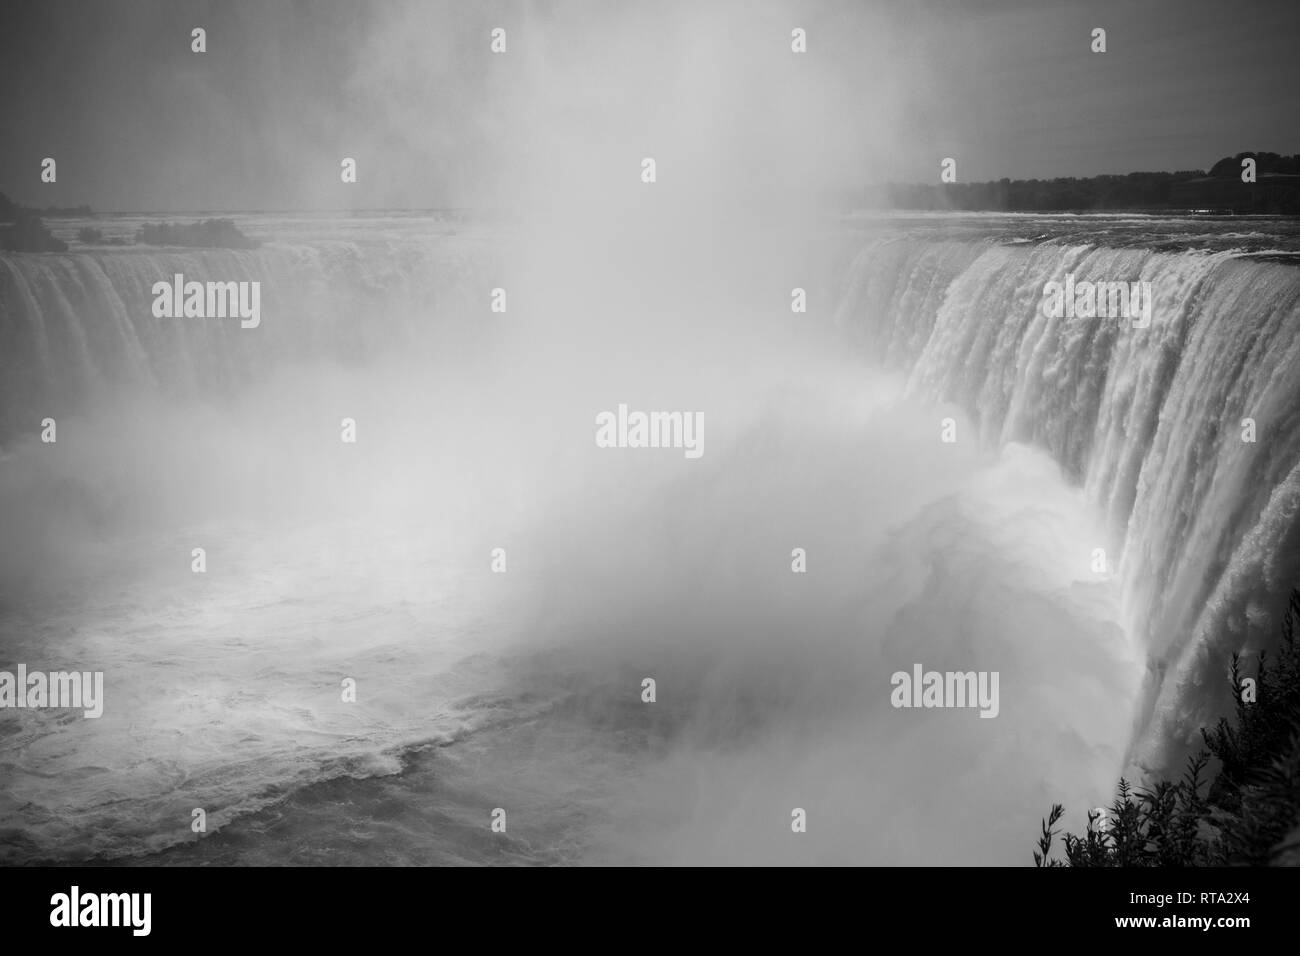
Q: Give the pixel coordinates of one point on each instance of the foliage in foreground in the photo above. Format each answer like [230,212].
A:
[1247,814]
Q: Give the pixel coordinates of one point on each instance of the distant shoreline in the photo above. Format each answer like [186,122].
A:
[1273,189]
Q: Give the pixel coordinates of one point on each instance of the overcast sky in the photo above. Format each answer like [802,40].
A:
[136,121]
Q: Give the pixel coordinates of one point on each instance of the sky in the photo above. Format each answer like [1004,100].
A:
[261,121]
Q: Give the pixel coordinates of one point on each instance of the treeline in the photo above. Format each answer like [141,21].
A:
[1276,190]
[1130,191]
[208,234]
[21,230]
[1247,814]
[1272,163]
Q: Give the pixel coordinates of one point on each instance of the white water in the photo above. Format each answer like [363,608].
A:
[1148,421]
[476,433]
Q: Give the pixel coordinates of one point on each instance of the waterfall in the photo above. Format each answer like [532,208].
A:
[1149,421]
[1203,528]
[75,326]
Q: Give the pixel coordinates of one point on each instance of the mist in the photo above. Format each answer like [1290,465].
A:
[475,432]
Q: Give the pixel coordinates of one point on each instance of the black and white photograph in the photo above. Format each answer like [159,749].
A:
[648,433]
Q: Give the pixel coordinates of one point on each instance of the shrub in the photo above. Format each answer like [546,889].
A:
[1248,810]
